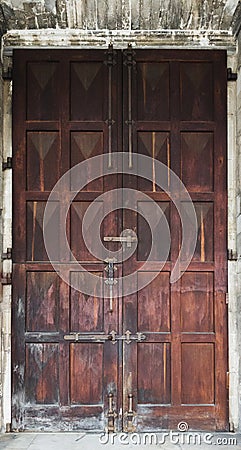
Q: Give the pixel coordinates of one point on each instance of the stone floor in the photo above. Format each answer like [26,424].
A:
[83,441]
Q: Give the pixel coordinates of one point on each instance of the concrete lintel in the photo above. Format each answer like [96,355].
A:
[188,39]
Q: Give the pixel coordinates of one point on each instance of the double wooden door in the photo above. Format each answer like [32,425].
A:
[169,361]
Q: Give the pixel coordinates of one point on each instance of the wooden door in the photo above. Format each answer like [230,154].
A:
[72,105]
[179,118]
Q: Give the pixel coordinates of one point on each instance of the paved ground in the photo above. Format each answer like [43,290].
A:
[82,441]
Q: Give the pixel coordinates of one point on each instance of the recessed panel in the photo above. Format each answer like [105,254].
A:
[85,145]
[202,229]
[42,312]
[197,302]
[197,161]
[35,242]
[86,373]
[153,242]
[87,311]
[42,374]
[43,152]
[196,95]
[43,90]
[154,302]
[81,248]
[152,91]
[198,373]
[88,95]
[155,144]
[154,373]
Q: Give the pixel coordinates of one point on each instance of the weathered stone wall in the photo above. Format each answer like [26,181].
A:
[238,199]
[117,14]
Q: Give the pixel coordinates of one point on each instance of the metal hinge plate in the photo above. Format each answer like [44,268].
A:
[227,298]
[7,164]
[6,278]
[227,380]
[231,76]
[8,254]
[232,255]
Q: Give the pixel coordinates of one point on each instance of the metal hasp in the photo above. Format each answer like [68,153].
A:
[111,415]
[129,415]
[110,281]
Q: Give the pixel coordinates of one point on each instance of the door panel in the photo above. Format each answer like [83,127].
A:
[70,372]
[174,374]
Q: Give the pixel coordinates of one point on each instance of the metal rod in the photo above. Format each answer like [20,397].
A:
[130,116]
[110,118]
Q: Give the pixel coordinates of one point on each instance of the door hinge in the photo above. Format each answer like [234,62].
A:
[227,298]
[7,164]
[227,380]
[231,76]
[232,255]
[8,254]
[6,278]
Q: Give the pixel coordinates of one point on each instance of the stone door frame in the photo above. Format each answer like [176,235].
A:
[54,39]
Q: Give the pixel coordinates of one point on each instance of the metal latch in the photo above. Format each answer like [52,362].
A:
[80,337]
[112,336]
[127,239]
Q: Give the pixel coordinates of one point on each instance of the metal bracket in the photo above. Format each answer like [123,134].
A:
[6,278]
[111,53]
[7,164]
[7,73]
[227,380]
[129,415]
[232,255]
[8,254]
[231,76]
[227,298]
[129,54]
[111,415]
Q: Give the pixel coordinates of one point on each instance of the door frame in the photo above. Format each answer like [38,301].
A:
[7,235]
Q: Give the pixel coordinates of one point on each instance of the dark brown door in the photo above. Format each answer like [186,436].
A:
[67,372]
